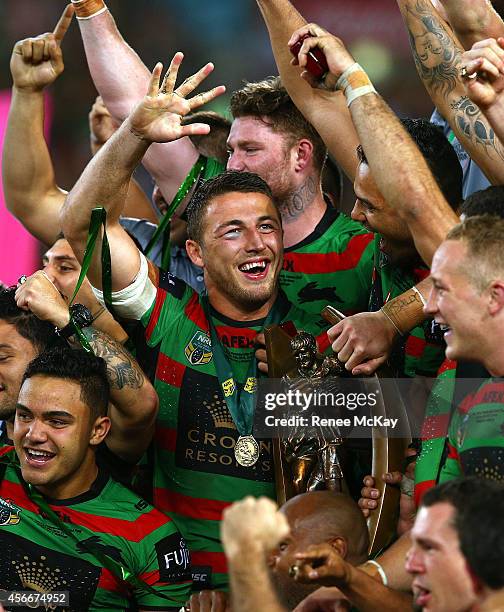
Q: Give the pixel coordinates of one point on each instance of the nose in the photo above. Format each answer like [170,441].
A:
[50,272]
[36,433]
[431,307]
[414,562]
[255,241]
[235,162]
[357,213]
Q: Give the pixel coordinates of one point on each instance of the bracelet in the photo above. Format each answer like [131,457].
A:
[380,570]
[422,299]
[85,9]
[391,320]
[354,83]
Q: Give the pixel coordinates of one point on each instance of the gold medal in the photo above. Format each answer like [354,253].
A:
[246,451]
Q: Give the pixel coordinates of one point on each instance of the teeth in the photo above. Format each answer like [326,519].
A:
[256,264]
[39,453]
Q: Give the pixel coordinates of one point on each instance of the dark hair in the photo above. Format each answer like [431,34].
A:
[89,371]
[40,333]
[270,99]
[213,144]
[489,201]
[479,523]
[439,155]
[303,340]
[226,182]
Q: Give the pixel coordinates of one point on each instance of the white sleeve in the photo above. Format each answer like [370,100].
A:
[133,301]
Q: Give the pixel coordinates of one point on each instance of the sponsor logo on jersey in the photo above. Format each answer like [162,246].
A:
[199,349]
[9,513]
[173,558]
[228,387]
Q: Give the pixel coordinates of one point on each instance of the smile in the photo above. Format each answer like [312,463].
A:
[255,270]
[37,458]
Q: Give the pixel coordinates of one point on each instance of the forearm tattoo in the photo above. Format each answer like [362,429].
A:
[438,60]
[122,370]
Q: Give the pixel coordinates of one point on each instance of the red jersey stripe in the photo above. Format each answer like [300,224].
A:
[320,263]
[169,371]
[452,452]
[154,318]
[217,560]
[190,507]
[415,346]
[435,426]
[166,438]
[421,488]
[195,313]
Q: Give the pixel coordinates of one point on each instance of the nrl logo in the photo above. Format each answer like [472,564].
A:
[199,349]
[9,513]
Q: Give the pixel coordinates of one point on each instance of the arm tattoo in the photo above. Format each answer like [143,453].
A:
[436,55]
[122,369]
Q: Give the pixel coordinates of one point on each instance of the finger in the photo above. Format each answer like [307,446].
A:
[205,97]
[368,481]
[335,331]
[393,478]
[500,42]
[170,78]
[263,367]
[308,44]
[370,493]
[346,351]
[310,29]
[367,504]
[64,23]
[365,512]
[369,367]
[27,50]
[358,356]
[190,84]
[154,80]
[38,50]
[194,129]
[56,56]
[260,340]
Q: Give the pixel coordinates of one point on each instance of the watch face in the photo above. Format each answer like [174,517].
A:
[81,315]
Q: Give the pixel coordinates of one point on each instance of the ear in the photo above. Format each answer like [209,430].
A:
[99,430]
[304,154]
[194,251]
[496,297]
[340,544]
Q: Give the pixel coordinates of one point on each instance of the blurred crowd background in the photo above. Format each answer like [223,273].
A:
[230,33]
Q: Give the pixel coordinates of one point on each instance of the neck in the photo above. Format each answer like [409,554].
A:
[301,211]
[493,357]
[239,311]
[77,483]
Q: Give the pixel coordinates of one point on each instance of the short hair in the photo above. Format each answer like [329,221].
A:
[41,334]
[489,201]
[213,144]
[439,155]
[226,182]
[484,237]
[303,340]
[85,369]
[269,98]
[478,521]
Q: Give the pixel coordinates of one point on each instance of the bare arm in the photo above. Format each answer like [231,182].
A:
[133,400]
[29,183]
[473,20]
[437,55]
[318,107]
[122,79]
[157,118]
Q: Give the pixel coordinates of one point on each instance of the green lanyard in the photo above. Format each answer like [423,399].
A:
[116,569]
[241,404]
[162,229]
[98,218]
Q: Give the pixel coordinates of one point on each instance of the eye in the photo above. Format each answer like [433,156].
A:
[66,269]
[251,150]
[57,423]
[283,546]
[22,416]
[267,227]
[232,233]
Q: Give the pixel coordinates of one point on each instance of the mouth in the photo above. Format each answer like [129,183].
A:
[446,330]
[422,596]
[38,458]
[255,270]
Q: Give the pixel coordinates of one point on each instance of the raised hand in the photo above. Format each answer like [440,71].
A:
[323,565]
[38,62]
[337,56]
[484,62]
[39,295]
[101,124]
[157,118]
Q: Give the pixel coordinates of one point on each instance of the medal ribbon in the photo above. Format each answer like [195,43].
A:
[241,403]
[195,173]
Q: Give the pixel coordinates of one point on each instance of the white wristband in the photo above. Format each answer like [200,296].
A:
[381,571]
[354,82]
[422,299]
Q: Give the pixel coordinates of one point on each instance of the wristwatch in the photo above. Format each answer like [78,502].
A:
[80,316]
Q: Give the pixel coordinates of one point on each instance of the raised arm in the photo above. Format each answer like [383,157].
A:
[472,20]
[30,189]
[104,182]
[134,402]
[317,106]
[438,58]
[399,169]
[122,79]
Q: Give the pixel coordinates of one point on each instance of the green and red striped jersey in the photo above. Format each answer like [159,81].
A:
[476,435]
[414,355]
[333,265]
[195,472]
[38,555]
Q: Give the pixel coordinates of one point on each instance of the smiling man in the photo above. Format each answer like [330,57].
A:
[70,527]
[201,349]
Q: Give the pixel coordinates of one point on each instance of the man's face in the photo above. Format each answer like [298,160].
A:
[441,582]
[16,353]
[61,266]
[254,147]
[376,215]
[52,432]
[305,358]
[241,249]
[455,302]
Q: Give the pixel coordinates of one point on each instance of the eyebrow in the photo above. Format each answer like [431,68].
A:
[240,223]
[60,258]
[47,413]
